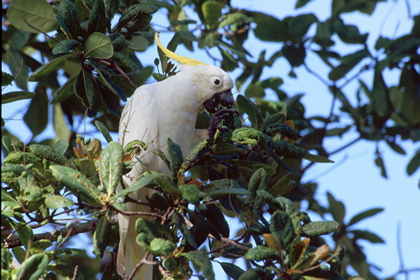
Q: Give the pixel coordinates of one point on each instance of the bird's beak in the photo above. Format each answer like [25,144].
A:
[218,101]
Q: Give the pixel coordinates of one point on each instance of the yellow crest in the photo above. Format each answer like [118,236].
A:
[176,57]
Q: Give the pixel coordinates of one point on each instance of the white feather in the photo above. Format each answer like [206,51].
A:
[156,112]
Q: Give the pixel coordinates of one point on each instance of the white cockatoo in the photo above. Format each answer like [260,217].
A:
[156,112]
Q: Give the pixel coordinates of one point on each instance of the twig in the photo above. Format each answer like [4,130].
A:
[33,27]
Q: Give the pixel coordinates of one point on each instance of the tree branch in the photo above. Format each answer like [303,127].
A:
[15,241]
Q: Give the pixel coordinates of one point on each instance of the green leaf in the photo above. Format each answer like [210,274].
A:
[87,90]
[37,13]
[258,181]
[60,146]
[282,230]
[317,158]
[381,102]
[216,218]
[336,208]
[18,67]
[40,246]
[46,152]
[36,117]
[97,20]
[46,69]
[15,96]
[104,130]
[299,25]
[138,43]
[180,224]
[232,270]
[301,3]
[64,46]
[212,11]
[77,183]
[65,91]
[101,236]
[111,166]
[6,79]
[6,258]
[379,162]
[144,181]
[414,163]
[260,253]
[269,28]
[367,235]
[348,62]
[98,46]
[33,268]
[162,247]
[190,193]
[25,233]
[57,201]
[363,215]
[175,156]
[69,18]
[201,263]
[313,229]
[349,33]
[247,106]
[253,274]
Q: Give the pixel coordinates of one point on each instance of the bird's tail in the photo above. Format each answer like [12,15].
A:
[129,252]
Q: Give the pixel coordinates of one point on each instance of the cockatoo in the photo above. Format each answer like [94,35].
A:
[156,112]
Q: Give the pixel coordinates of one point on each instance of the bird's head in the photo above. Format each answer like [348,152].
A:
[214,83]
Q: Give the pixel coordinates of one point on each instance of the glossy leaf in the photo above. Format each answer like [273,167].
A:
[98,46]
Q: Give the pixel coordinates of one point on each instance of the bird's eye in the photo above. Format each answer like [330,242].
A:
[216,82]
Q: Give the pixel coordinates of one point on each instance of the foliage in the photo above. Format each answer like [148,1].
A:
[249,170]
